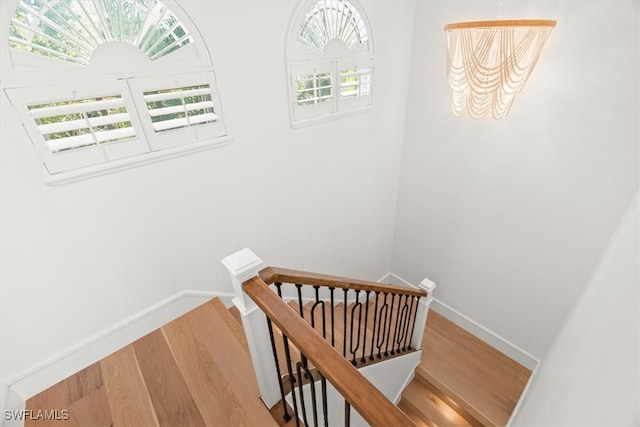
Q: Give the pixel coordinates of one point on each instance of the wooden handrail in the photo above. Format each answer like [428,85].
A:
[272,275]
[370,403]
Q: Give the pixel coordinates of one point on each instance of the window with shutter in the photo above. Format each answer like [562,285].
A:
[69,125]
[330,61]
[92,96]
[179,110]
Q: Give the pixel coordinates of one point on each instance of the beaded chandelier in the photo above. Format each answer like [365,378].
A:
[489,63]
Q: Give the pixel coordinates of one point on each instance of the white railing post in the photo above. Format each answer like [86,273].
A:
[243,265]
[421,315]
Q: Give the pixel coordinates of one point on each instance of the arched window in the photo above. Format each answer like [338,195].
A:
[101,83]
[330,61]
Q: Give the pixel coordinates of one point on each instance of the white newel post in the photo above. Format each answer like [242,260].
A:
[421,316]
[243,265]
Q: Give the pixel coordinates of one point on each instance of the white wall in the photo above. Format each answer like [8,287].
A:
[510,216]
[591,375]
[79,258]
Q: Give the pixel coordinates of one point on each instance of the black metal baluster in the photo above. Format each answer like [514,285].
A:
[410,317]
[382,325]
[347,414]
[325,408]
[312,386]
[299,286]
[356,305]
[410,320]
[366,319]
[320,303]
[402,325]
[333,323]
[395,326]
[278,288]
[415,317]
[386,351]
[397,334]
[373,334]
[286,415]
[344,333]
[301,392]
[292,378]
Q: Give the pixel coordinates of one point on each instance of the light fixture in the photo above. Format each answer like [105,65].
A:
[490,61]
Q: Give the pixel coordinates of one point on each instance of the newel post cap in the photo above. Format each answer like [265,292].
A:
[428,285]
[243,264]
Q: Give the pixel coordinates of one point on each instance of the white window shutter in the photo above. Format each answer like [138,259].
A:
[313,88]
[179,110]
[82,124]
[355,84]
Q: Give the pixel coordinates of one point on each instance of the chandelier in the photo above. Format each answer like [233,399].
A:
[490,61]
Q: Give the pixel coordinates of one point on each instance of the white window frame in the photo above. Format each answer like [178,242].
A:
[29,79]
[334,58]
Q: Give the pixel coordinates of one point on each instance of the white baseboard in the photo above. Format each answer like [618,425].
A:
[20,388]
[395,280]
[496,341]
[534,372]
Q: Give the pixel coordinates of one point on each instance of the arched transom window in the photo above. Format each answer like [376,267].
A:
[71,30]
[330,61]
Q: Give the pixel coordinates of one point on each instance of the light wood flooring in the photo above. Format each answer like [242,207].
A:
[193,371]
[196,371]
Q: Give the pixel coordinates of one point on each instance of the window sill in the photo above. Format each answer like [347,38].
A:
[295,124]
[133,162]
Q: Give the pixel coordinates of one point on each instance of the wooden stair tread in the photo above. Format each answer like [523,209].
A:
[277,412]
[129,401]
[482,380]
[163,380]
[430,408]
[83,394]
[217,368]
[232,323]
[415,416]
[235,313]
[421,376]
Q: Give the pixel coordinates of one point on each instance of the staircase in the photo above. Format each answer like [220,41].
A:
[196,371]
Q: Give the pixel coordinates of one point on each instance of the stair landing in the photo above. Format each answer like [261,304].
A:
[462,373]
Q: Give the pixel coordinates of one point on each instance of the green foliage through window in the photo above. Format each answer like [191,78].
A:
[180,107]
[313,88]
[69,125]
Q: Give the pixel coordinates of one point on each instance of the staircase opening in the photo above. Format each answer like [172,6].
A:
[197,369]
